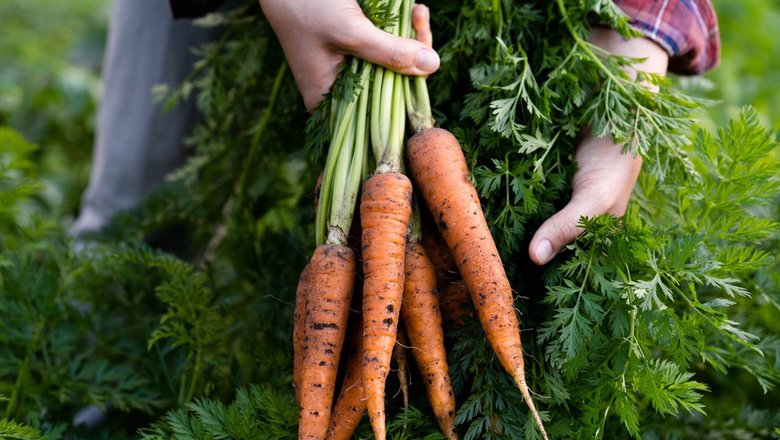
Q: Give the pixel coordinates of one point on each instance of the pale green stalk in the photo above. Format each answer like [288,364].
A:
[418,104]
[345,114]
[335,191]
[348,180]
[339,186]
[393,154]
[405,29]
[393,28]
[375,126]
[388,110]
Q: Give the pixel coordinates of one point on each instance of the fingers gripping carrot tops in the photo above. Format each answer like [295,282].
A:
[332,273]
[422,319]
[435,156]
[385,208]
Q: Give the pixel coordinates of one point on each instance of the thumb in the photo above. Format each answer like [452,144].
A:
[559,230]
[403,55]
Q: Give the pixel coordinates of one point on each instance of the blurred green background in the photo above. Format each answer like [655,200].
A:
[50,55]
[51,51]
[749,71]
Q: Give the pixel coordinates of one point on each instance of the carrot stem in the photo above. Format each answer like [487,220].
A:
[405,28]
[348,177]
[335,235]
[376,120]
[418,104]
[335,186]
[388,113]
[393,154]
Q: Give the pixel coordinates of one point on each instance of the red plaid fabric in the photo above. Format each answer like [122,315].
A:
[687,29]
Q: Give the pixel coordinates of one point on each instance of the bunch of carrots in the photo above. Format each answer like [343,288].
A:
[421,281]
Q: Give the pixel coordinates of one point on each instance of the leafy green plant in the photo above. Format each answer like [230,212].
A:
[659,324]
[10,430]
[637,302]
[49,86]
[258,412]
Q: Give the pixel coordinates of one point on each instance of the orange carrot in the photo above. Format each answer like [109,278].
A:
[440,256]
[331,274]
[437,164]
[453,293]
[453,302]
[385,208]
[351,403]
[303,290]
[421,316]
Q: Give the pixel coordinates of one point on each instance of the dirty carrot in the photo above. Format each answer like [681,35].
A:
[435,156]
[454,303]
[351,403]
[299,314]
[385,208]
[453,293]
[421,316]
[332,273]
[440,256]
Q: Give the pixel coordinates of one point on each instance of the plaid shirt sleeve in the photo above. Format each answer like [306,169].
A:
[686,29]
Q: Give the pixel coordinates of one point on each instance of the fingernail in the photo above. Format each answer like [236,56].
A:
[427,60]
[544,251]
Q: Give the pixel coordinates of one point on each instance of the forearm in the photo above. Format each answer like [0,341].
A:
[654,59]
[651,57]
[596,156]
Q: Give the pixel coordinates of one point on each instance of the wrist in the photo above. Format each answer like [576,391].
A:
[652,58]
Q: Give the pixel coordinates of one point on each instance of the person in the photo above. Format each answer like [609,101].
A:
[136,142]
[679,35]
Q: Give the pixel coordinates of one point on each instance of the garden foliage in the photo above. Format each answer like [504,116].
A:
[177,320]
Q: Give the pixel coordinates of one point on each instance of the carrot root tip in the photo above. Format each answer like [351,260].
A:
[528,399]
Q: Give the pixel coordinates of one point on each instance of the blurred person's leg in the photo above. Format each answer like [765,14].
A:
[137,143]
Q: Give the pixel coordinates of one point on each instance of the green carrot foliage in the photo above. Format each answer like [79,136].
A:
[176,321]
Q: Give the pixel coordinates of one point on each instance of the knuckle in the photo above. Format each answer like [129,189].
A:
[347,38]
[567,231]
[400,58]
[350,34]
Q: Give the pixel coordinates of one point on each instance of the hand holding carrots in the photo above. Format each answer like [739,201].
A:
[370,139]
[316,35]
